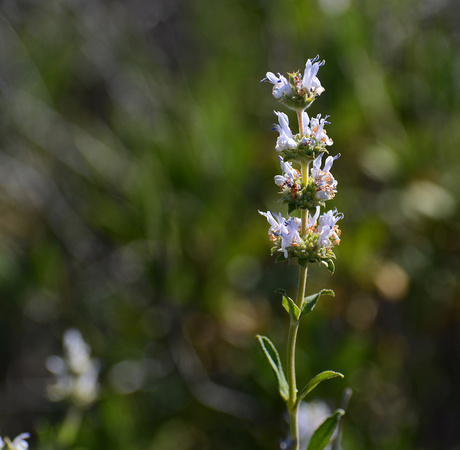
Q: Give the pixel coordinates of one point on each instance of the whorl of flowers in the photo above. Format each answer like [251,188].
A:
[297,91]
[320,187]
[76,373]
[308,144]
[309,188]
[315,246]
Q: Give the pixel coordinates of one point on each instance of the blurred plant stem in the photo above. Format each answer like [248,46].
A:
[70,427]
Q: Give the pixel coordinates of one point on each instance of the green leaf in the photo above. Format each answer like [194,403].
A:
[291,208]
[337,445]
[309,302]
[323,376]
[274,359]
[322,435]
[289,305]
[280,258]
[329,264]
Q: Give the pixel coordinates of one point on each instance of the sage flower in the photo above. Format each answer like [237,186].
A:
[285,232]
[329,233]
[290,175]
[281,84]
[310,81]
[19,442]
[285,140]
[318,132]
[326,184]
[297,92]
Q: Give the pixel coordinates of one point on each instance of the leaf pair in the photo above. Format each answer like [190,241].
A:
[275,362]
[307,305]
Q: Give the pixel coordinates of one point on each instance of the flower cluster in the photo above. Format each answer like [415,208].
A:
[297,92]
[308,143]
[306,188]
[320,186]
[76,373]
[322,233]
[18,443]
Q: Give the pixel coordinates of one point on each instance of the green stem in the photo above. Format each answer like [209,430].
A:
[70,427]
[293,405]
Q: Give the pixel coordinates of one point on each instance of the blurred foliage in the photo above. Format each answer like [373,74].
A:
[135,151]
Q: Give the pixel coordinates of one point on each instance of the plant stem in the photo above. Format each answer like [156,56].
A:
[70,427]
[293,405]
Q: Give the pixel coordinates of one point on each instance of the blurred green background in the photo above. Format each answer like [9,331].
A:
[135,150]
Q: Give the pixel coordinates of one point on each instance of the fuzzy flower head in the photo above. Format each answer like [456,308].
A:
[299,91]
[306,145]
[19,442]
[320,187]
[316,246]
[76,373]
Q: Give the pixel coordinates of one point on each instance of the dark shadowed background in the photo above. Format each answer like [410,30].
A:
[135,150]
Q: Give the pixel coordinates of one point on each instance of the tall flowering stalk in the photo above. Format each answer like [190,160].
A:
[306,184]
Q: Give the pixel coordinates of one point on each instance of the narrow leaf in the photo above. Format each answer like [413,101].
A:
[337,445]
[309,302]
[289,305]
[323,376]
[274,359]
[322,435]
[329,264]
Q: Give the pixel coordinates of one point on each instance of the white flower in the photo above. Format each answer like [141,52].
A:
[312,219]
[289,176]
[317,130]
[275,221]
[305,122]
[285,140]
[281,84]
[327,229]
[76,373]
[286,229]
[19,442]
[325,182]
[290,234]
[309,81]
